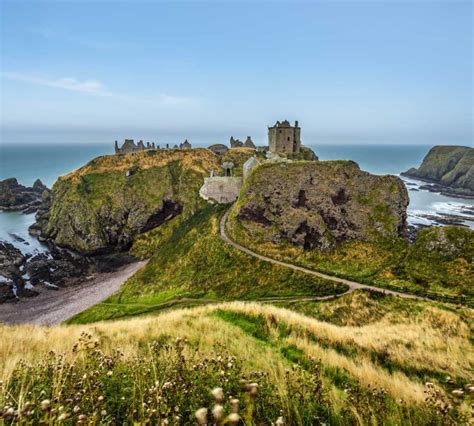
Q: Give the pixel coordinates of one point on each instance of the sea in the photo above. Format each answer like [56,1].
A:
[28,162]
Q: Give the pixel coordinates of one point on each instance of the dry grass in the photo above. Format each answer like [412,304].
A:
[436,341]
[200,160]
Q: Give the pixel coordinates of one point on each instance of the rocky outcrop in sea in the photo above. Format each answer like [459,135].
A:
[16,197]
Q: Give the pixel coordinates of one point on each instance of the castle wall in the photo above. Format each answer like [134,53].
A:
[221,189]
[284,139]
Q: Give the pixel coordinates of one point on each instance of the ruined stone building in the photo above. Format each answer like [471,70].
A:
[129,146]
[225,189]
[235,143]
[249,143]
[218,148]
[283,137]
[185,145]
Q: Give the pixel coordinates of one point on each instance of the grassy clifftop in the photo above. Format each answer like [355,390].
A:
[105,204]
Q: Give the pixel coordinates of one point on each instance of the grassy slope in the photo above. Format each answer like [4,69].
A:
[96,204]
[425,267]
[190,261]
[370,373]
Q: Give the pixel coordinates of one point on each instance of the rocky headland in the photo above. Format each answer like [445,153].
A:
[448,169]
[91,216]
[102,206]
[317,205]
[16,197]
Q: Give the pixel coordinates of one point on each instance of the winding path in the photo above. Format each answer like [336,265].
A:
[353,285]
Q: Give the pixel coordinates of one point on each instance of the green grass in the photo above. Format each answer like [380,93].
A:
[190,264]
[438,265]
[274,334]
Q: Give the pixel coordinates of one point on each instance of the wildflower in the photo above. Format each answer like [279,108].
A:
[109,373]
[279,421]
[218,394]
[76,409]
[201,416]
[100,399]
[103,413]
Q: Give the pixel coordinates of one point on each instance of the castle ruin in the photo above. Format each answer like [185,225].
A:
[130,146]
[283,137]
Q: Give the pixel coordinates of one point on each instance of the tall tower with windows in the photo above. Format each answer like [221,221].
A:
[283,137]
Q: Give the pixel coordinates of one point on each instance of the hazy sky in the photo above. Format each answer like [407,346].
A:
[353,71]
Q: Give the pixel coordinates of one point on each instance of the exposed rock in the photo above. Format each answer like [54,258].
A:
[305,153]
[16,197]
[320,204]
[450,168]
[10,255]
[98,209]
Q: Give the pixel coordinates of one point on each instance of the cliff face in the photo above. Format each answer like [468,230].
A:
[319,204]
[450,166]
[103,205]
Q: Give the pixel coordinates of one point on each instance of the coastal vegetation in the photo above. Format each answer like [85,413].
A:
[424,268]
[383,369]
[449,166]
[102,206]
[352,233]
[190,264]
[205,333]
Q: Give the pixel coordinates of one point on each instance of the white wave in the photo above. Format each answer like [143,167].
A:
[450,207]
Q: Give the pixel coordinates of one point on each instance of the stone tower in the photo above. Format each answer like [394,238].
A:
[283,137]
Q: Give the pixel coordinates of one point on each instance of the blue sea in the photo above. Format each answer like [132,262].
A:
[47,162]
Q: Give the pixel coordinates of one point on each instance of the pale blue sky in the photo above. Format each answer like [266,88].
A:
[349,71]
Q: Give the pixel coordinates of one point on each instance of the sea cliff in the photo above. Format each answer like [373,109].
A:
[450,169]
[101,207]
[320,204]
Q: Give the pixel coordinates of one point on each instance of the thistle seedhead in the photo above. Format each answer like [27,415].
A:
[234,404]
[218,394]
[280,421]
[218,413]
[233,418]
[45,404]
[201,416]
